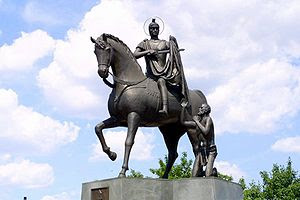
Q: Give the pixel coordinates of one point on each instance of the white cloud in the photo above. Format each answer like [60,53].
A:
[21,123]
[287,145]
[25,173]
[258,98]
[141,149]
[213,51]
[5,157]
[227,37]
[70,82]
[69,94]
[229,169]
[221,40]
[25,51]
[62,196]
[35,12]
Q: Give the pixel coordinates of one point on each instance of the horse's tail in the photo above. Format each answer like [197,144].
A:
[201,95]
[197,99]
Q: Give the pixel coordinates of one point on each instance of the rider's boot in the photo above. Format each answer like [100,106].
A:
[164,96]
[164,110]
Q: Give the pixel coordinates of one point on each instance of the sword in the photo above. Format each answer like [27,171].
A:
[167,51]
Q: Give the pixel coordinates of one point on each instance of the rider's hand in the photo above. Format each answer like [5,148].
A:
[151,52]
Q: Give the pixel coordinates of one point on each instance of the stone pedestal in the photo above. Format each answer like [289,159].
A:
[160,189]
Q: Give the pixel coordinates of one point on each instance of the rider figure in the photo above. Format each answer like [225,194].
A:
[155,61]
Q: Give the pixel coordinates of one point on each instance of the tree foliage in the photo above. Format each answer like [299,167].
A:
[135,174]
[282,183]
[181,170]
[225,177]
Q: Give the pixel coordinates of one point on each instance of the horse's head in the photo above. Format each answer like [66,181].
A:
[104,53]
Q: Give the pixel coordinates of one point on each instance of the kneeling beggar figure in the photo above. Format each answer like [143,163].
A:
[203,126]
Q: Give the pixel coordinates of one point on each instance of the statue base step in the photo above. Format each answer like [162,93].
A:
[209,188]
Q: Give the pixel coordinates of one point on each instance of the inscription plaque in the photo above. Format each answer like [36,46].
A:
[100,194]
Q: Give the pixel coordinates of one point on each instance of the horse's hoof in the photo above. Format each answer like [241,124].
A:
[122,175]
[112,155]
[165,176]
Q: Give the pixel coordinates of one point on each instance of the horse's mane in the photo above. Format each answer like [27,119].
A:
[127,49]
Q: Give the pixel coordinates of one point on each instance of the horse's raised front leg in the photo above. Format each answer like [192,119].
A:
[108,123]
[133,120]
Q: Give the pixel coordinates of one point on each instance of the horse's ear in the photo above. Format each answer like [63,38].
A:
[93,40]
[104,37]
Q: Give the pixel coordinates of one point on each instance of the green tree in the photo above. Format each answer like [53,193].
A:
[135,174]
[253,192]
[282,183]
[225,177]
[242,183]
[181,170]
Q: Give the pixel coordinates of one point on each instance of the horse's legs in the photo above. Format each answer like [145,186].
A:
[172,134]
[108,123]
[133,120]
[192,134]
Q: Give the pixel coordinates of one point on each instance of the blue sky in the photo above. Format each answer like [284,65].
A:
[243,55]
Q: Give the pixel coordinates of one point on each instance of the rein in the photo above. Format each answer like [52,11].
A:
[120,81]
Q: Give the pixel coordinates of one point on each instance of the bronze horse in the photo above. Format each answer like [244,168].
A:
[135,101]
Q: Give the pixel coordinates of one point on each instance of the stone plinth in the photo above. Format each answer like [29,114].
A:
[160,189]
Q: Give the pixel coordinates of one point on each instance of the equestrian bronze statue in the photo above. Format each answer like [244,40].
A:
[135,101]
[138,100]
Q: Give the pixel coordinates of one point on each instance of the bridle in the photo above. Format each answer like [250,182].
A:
[128,83]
